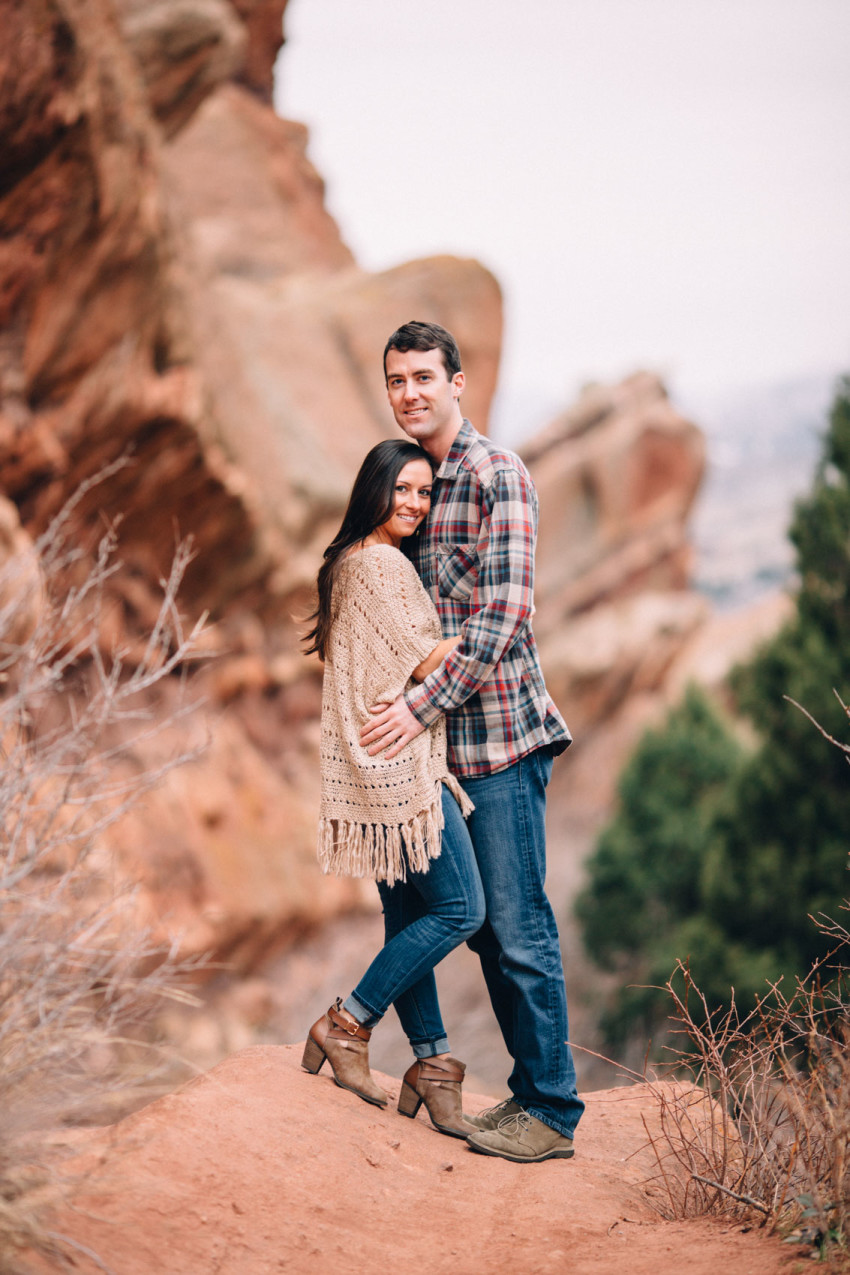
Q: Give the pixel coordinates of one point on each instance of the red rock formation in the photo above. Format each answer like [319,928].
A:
[95,357]
[183,51]
[617,474]
[263,20]
[21,583]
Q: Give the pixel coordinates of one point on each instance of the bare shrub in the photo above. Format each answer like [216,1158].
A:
[80,974]
[763,1127]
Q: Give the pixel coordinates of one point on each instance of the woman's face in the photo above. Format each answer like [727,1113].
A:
[411,501]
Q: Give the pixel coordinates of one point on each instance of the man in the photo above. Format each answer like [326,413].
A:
[475,556]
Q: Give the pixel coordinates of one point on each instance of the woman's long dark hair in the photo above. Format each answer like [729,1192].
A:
[369,506]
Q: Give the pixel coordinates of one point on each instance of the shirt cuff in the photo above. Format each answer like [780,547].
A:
[421,708]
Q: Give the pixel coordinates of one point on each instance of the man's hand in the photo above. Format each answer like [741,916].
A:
[391,724]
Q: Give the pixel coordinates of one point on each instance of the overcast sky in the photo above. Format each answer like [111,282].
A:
[660,183]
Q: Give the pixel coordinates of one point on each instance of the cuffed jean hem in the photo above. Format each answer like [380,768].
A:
[428,1048]
[545,1118]
[365,1017]
[369,1019]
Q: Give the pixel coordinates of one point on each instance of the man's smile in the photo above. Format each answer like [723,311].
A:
[424,398]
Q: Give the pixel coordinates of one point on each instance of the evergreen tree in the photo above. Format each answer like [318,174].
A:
[643,906]
[781,853]
[720,858]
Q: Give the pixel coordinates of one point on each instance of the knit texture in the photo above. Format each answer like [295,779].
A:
[379,818]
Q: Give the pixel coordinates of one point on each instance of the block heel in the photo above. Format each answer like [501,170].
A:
[314,1057]
[437,1082]
[409,1101]
[345,1044]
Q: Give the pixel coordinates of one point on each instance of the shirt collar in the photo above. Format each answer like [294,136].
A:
[461,445]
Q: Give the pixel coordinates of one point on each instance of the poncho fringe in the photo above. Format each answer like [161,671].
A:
[387,853]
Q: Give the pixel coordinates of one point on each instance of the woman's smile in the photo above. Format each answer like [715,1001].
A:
[411,502]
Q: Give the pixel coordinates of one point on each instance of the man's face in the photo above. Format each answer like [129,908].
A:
[423,399]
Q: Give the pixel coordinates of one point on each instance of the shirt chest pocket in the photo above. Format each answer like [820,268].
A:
[457,570]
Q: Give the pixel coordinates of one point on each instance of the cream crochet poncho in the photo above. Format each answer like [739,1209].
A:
[379,817]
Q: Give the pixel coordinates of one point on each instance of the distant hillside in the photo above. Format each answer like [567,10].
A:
[762,449]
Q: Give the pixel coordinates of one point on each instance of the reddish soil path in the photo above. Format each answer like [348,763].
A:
[257,1167]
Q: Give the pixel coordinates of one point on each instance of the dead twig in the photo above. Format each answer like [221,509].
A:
[736,1195]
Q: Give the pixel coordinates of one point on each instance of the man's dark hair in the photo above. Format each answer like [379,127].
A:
[425,336]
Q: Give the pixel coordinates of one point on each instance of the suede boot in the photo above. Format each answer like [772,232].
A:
[491,1117]
[436,1082]
[523,1139]
[346,1047]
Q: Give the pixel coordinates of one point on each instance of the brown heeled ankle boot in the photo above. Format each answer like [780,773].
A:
[346,1047]
[436,1082]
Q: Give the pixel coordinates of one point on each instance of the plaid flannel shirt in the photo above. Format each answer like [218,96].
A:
[475,557]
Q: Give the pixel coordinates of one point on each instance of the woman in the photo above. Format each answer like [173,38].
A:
[376,629]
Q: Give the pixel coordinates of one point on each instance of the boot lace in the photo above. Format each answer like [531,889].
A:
[520,1123]
[500,1106]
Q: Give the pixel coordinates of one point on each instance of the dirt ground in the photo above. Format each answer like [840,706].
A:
[257,1167]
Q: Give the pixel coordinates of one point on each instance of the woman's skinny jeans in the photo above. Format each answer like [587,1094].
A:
[425,917]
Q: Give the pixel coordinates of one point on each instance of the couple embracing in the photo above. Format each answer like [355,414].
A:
[436,753]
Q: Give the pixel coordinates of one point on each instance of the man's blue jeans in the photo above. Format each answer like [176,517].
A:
[518,944]
[425,917]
